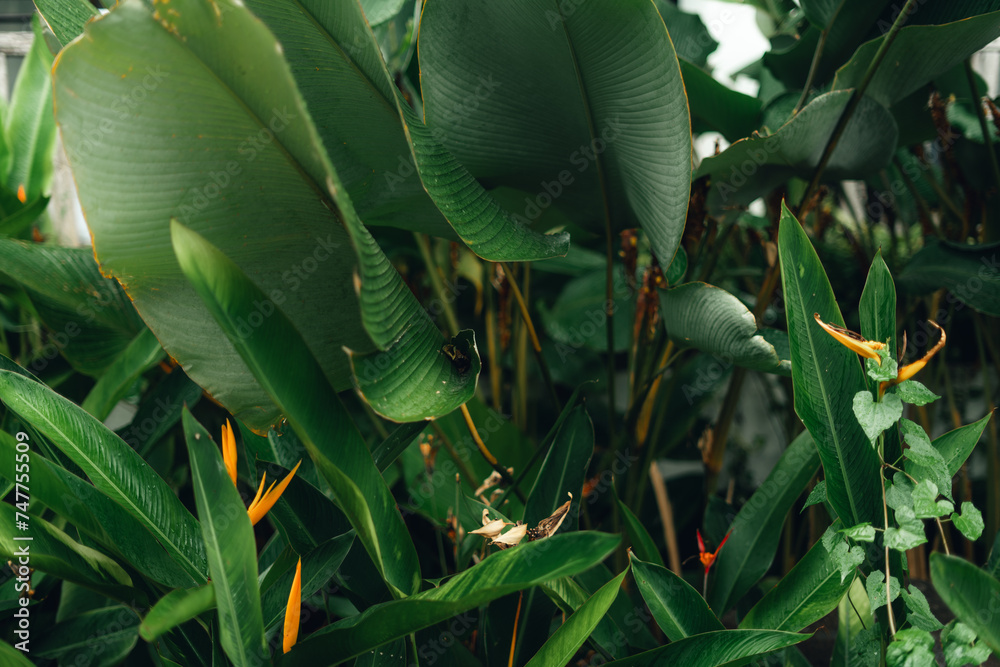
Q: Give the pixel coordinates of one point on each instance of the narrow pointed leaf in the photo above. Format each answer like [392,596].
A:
[591,118]
[570,636]
[563,470]
[499,574]
[318,568]
[713,649]
[112,466]
[282,363]
[677,608]
[143,353]
[810,591]
[972,594]
[643,545]
[176,607]
[825,378]
[751,546]
[29,123]
[230,546]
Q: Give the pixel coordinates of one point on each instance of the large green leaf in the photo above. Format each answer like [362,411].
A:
[499,574]
[111,465]
[715,649]
[13,656]
[90,316]
[230,546]
[281,362]
[66,17]
[878,305]
[972,594]
[100,638]
[378,133]
[583,108]
[678,609]
[563,470]
[54,552]
[712,320]
[970,273]
[569,637]
[751,167]
[207,108]
[810,591]
[143,353]
[94,514]
[643,545]
[909,64]
[29,123]
[756,530]
[825,378]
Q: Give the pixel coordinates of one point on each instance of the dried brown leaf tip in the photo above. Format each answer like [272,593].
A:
[548,526]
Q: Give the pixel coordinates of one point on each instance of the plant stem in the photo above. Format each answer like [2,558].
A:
[817,56]
[533,335]
[666,510]
[492,460]
[885,516]
[437,282]
[856,96]
[609,326]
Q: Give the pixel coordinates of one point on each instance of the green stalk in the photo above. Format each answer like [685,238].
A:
[437,282]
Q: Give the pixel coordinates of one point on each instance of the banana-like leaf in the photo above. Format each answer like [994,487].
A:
[643,545]
[810,591]
[569,637]
[230,546]
[112,466]
[748,168]
[30,125]
[66,18]
[385,153]
[499,574]
[755,531]
[204,103]
[585,109]
[14,657]
[825,378]
[678,609]
[713,649]
[972,594]
[318,568]
[282,363]
[94,514]
[90,316]
[143,353]
[54,552]
[909,64]
[711,319]
[970,273]
[716,107]
[176,607]
[877,309]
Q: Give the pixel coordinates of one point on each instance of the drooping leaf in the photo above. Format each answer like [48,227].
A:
[230,546]
[678,609]
[710,319]
[751,167]
[825,378]
[710,649]
[143,353]
[969,522]
[918,610]
[751,546]
[909,64]
[176,607]
[499,574]
[810,591]
[282,363]
[970,273]
[112,466]
[555,118]
[570,636]
[100,637]
[968,592]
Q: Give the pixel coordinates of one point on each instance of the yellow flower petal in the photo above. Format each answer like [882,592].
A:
[293,609]
[229,450]
[852,341]
[262,505]
[909,370]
